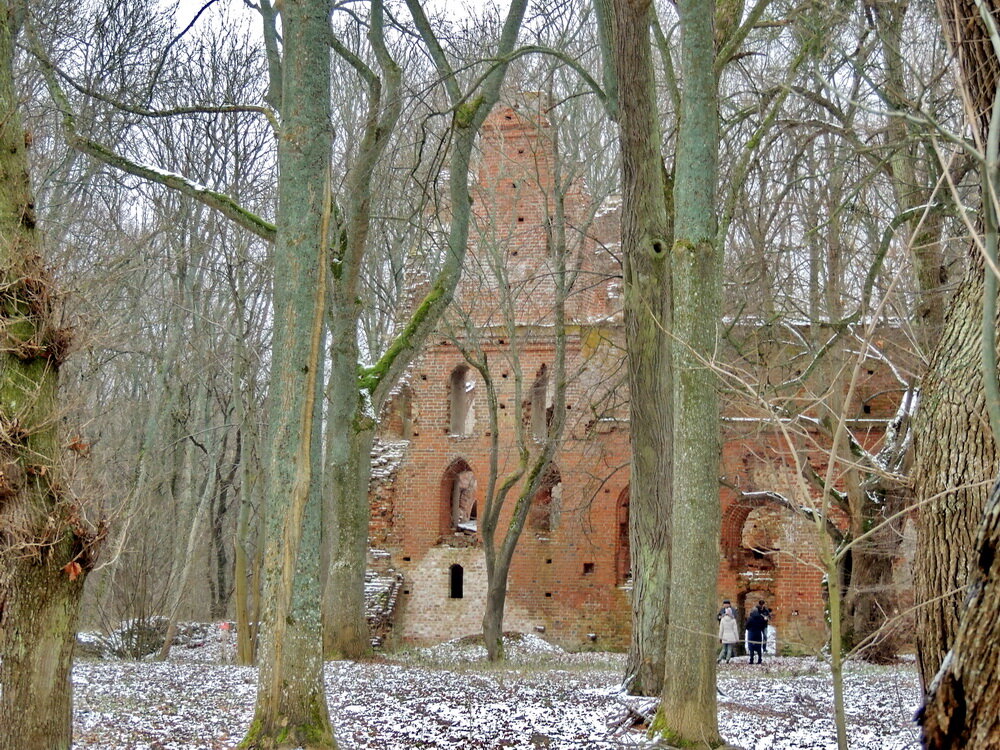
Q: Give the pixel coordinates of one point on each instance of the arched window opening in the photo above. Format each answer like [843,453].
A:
[623,554]
[541,404]
[456,582]
[462,392]
[463,501]
[458,498]
[546,504]
[761,534]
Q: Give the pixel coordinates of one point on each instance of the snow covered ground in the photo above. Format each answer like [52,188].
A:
[449,697]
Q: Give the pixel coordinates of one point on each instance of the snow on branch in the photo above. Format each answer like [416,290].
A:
[221,202]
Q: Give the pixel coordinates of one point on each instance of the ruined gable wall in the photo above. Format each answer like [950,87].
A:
[568,580]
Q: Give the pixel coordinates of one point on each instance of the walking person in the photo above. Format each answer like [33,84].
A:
[729,636]
[762,608]
[756,627]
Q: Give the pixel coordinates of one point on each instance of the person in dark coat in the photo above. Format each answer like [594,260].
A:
[756,627]
[762,608]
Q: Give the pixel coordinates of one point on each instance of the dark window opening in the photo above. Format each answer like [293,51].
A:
[588,568]
[456,582]
[867,408]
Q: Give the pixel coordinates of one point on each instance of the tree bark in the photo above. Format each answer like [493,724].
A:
[646,240]
[963,704]
[44,547]
[347,475]
[350,425]
[687,712]
[955,458]
[958,646]
[291,709]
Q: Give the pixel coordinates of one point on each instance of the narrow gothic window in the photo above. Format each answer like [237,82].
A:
[456,582]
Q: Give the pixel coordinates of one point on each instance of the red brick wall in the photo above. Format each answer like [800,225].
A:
[567,580]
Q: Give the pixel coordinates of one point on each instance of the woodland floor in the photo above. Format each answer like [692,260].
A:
[449,697]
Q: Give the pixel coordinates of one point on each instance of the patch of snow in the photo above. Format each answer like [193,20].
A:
[549,699]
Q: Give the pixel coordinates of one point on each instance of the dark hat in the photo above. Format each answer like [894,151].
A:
[725,601]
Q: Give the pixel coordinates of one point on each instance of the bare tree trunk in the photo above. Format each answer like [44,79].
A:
[347,472]
[959,529]
[241,575]
[687,711]
[291,709]
[647,236]
[44,549]
[955,462]
[246,442]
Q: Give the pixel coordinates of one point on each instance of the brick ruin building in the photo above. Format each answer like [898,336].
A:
[570,576]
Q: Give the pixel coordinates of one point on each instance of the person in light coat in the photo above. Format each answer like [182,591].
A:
[729,636]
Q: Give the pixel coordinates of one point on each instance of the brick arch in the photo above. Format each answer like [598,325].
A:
[447,505]
[623,551]
[734,519]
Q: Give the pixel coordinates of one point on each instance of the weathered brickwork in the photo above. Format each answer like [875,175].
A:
[569,578]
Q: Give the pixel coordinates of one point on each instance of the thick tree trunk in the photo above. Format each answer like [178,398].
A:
[44,552]
[291,709]
[37,634]
[347,475]
[962,709]
[959,531]
[955,462]
[687,712]
[646,240]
